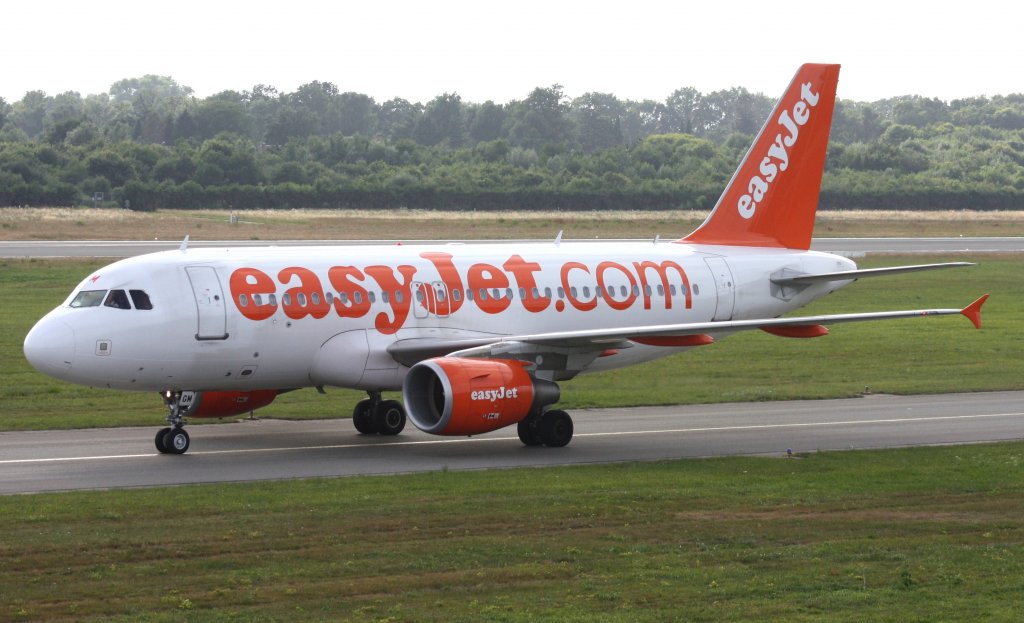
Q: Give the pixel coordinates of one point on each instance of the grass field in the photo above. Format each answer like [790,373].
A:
[926,534]
[909,356]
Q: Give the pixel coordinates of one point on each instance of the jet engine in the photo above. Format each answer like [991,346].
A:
[457,396]
[224,403]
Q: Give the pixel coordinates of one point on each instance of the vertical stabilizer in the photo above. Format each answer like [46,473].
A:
[773,196]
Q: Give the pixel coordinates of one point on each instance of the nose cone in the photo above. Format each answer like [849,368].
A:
[50,347]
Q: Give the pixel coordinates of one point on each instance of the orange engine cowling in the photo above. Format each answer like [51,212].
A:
[456,396]
[226,404]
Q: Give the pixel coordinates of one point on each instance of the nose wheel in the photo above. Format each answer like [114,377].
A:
[174,439]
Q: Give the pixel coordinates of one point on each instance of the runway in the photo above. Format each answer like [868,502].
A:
[128,248]
[279,450]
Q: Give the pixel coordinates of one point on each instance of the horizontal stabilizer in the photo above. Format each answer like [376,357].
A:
[973,311]
[850,275]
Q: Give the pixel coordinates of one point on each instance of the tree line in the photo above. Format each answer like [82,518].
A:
[150,143]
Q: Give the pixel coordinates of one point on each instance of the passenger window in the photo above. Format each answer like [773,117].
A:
[117,299]
[243,300]
[140,299]
[385,296]
[88,298]
[371,297]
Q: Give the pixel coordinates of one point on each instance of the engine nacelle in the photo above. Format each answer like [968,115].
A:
[456,396]
[224,404]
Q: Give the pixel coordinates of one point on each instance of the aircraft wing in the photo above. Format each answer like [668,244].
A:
[585,345]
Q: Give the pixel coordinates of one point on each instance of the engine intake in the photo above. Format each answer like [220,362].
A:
[457,396]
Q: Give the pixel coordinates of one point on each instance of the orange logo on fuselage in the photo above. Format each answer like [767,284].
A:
[255,293]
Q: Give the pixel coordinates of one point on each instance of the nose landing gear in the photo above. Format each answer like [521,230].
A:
[174,439]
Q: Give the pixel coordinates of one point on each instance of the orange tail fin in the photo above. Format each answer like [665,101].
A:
[773,196]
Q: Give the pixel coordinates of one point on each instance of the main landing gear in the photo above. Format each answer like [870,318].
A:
[173,439]
[552,428]
[374,416]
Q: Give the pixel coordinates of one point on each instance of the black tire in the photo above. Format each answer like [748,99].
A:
[176,441]
[389,417]
[159,441]
[556,428]
[362,419]
[529,431]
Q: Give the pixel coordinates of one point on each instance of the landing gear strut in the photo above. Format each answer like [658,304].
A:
[173,439]
[551,428]
[376,416]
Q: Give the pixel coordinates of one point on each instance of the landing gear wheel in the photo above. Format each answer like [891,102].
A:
[555,428]
[362,417]
[529,431]
[160,440]
[176,441]
[389,417]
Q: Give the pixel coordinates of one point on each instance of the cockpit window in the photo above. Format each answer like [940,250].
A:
[141,299]
[88,298]
[117,299]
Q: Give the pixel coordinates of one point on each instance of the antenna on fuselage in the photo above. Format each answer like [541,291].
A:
[184,244]
[657,238]
[558,238]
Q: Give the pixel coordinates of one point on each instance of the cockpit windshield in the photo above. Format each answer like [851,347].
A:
[118,299]
[88,298]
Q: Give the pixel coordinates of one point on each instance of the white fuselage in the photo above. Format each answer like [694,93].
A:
[289,317]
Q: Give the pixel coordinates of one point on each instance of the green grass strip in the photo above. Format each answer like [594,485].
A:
[924,534]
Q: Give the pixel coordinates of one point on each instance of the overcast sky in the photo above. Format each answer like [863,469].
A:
[500,51]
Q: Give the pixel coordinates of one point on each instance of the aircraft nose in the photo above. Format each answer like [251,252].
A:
[50,346]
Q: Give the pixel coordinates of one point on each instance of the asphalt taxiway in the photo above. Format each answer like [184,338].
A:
[278,450]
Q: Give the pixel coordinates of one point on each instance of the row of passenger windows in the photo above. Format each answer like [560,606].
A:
[482,294]
[118,299]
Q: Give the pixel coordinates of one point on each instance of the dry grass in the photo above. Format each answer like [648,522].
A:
[113,224]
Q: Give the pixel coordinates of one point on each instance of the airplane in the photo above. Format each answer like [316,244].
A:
[476,336]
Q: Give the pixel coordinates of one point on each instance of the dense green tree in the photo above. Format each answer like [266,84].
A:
[219,115]
[396,119]
[441,122]
[29,113]
[598,119]
[486,122]
[541,119]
